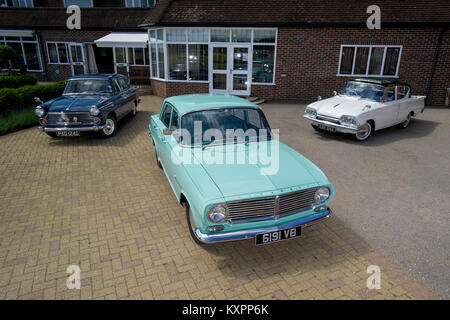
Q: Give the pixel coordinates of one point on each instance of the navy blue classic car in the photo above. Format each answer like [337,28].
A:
[89,103]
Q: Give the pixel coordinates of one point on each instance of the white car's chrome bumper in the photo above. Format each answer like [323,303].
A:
[338,127]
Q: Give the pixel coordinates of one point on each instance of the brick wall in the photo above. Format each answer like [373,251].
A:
[309,58]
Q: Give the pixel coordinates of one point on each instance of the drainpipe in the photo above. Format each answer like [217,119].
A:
[433,67]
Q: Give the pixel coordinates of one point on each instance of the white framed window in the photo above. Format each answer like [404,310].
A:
[369,60]
[181,54]
[57,53]
[17,3]
[139,3]
[80,3]
[27,49]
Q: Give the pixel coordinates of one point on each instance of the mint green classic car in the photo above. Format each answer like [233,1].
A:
[231,173]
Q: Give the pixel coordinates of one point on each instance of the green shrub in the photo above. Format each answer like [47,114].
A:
[17,120]
[17,81]
[18,99]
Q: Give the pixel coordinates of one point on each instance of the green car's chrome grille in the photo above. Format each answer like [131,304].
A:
[270,207]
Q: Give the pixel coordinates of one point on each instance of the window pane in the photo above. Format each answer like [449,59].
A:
[198,62]
[174,123]
[362,55]
[161,60]
[139,56]
[198,35]
[220,35]
[166,115]
[130,56]
[32,56]
[390,64]
[376,60]
[17,62]
[263,63]
[62,51]
[52,53]
[120,55]
[240,82]
[240,59]
[220,58]
[177,61]
[152,35]
[178,35]
[347,60]
[160,34]
[264,36]
[241,35]
[153,60]
[219,81]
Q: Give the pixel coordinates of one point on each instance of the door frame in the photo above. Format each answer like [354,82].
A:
[72,64]
[229,72]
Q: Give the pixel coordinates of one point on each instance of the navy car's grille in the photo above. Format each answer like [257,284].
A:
[72,117]
[270,207]
[329,119]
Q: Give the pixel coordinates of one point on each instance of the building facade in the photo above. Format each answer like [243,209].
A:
[269,49]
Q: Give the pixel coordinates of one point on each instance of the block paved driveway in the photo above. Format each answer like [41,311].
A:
[104,205]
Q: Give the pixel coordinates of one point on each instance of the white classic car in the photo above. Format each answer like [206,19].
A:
[364,106]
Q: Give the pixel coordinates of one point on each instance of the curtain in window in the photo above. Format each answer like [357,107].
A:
[376,60]
[362,55]
[390,63]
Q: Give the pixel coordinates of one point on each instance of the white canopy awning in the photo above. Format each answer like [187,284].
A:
[123,39]
[16,33]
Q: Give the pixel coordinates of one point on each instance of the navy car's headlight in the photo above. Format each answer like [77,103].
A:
[94,111]
[311,112]
[217,213]
[349,120]
[39,111]
[322,195]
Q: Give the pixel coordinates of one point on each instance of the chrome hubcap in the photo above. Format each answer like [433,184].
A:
[109,128]
[364,131]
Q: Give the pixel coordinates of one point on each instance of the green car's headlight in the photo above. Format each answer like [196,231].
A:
[322,195]
[39,111]
[217,213]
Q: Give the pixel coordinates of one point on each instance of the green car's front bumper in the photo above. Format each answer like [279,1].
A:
[251,233]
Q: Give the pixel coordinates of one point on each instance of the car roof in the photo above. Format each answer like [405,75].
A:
[195,102]
[96,76]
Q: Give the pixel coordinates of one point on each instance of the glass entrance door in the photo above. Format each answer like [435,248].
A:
[230,69]
[77,58]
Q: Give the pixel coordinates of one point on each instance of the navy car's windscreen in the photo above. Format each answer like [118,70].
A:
[222,126]
[88,86]
[363,90]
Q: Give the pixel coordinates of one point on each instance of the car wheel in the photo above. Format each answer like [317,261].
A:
[110,127]
[405,123]
[157,160]
[364,132]
[52,135]
[191,224]
[134,111]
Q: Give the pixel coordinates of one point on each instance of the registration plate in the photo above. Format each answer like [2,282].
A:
[326,128]
[275,236]
[69,133]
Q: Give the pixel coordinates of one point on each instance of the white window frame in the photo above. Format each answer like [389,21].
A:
[381,75]
[5,42]
[91,6]
[164,42]
[59,61]
[133,63]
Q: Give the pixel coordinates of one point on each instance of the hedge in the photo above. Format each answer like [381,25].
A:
[18,99]
[18,81]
